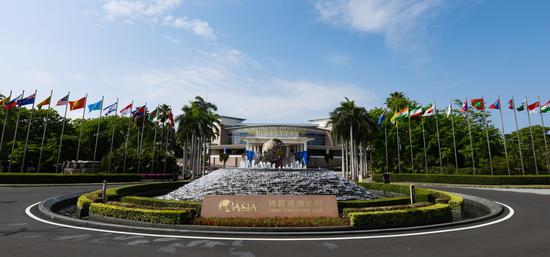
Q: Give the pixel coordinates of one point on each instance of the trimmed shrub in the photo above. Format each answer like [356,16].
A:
[160,203]
[469,179]
[271,222]
[56,178]
[437,213]
[372,203]
[347,211]
[183,216]
[148,189]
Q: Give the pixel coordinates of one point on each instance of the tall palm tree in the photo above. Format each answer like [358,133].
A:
[352,127]
[197,127]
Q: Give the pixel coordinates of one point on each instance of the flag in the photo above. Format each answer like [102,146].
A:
[511,104]
[464,107]
[13,102]
[44,102]
[126,109]
[63,101]
[171,118]
[95,106]
[78,104]
[381,118]
[533,107]
[478,104]
[495,105]
[27,100]
[139,111]
[110,109]
[521,107]
[4,101]
[153,114]
[449,110]
[545,107]
[429,112]
[404,113]
[416,112]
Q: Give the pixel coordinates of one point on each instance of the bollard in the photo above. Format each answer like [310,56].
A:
[104,191]
[412,194]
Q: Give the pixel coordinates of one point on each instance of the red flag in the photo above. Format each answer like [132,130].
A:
[478,104]
[533,106]
[78,104]
[511,104]
[171,118]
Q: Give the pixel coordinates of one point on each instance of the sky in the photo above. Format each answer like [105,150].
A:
[276,61]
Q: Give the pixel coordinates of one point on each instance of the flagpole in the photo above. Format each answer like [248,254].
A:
[154,148]
[28,132]
[386,142]
[471,140]
[544,135]
[410,143]
[438,139]
[532,139]
[81,130]
[127,138]
[424,141]
[166,150]
[140,144]
[517,134]
[62,131]
[112,139]
[486,117]
[97,132]
[4,125]
[398,145]
[504,136]
[15,132]
[454,136]
[44,133]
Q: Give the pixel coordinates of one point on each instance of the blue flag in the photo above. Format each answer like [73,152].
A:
[27,100]
[381,118]
[111,108]
[95,106]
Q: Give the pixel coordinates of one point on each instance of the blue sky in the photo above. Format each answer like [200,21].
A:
[273,61]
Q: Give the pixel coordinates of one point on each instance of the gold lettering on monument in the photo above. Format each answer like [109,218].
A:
[230,206]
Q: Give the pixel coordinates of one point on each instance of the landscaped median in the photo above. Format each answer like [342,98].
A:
[469,179]
[131,203]
[58,178]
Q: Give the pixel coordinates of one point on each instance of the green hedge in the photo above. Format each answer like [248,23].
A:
[143,189]
[372,203]
[116,194]
[347,211]
[437,213]
[160,203]
[183,216]
[422,194]
[55,178]
[469,179]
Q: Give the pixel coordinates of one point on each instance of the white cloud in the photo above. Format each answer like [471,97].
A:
[339,59]
[230,80]
[399,21]
[40,77]
[157,11]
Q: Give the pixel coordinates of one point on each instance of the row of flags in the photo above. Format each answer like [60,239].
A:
[476,104]
[20,100]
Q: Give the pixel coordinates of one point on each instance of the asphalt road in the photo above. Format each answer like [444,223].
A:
[527,233]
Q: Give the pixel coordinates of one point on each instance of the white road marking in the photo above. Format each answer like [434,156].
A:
[508,216]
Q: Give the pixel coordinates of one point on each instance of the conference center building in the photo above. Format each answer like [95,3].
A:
[237,137]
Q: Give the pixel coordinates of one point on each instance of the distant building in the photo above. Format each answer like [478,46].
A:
[236,136]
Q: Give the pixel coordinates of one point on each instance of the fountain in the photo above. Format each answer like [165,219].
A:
[268,176]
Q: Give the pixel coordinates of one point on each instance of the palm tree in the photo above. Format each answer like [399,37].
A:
[352,127]
[197,127]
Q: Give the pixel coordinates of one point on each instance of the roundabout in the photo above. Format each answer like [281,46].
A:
[518,232]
